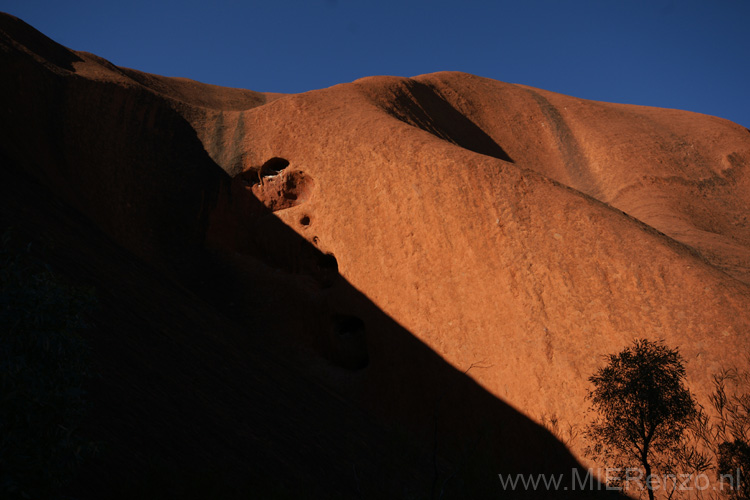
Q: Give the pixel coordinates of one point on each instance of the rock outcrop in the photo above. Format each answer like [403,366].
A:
[380,289]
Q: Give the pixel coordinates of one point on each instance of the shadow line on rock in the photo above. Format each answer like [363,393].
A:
[257,362]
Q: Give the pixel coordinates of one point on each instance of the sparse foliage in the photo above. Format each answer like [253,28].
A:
[716,440]
[566,434]
[730,429]
[643,409]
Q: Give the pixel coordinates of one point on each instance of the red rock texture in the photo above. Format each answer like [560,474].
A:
[520,229]
[444,257]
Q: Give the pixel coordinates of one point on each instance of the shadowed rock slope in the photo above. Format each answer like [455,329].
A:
[373,290]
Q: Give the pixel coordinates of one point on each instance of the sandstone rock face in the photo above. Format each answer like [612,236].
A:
[445,248]
[520,230]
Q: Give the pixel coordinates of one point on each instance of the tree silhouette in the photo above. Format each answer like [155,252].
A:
[643,406]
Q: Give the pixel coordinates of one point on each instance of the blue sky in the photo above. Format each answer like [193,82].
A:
[685,54]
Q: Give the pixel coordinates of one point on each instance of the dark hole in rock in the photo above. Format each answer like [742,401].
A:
[328,262]
[273,166]
[350,346]
[305,220]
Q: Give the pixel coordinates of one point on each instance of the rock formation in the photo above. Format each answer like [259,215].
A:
[374,290]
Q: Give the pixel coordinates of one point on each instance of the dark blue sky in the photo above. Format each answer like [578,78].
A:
[686,54]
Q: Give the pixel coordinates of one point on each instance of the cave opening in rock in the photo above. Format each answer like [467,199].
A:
[274,166]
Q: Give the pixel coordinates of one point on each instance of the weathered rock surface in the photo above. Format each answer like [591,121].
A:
[421,266]
[518,229]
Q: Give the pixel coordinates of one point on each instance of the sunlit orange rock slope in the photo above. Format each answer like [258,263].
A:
[516,229]
[437,254]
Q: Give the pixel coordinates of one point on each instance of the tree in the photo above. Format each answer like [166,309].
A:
[643,406]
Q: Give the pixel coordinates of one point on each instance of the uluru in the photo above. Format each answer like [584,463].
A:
[389,288]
